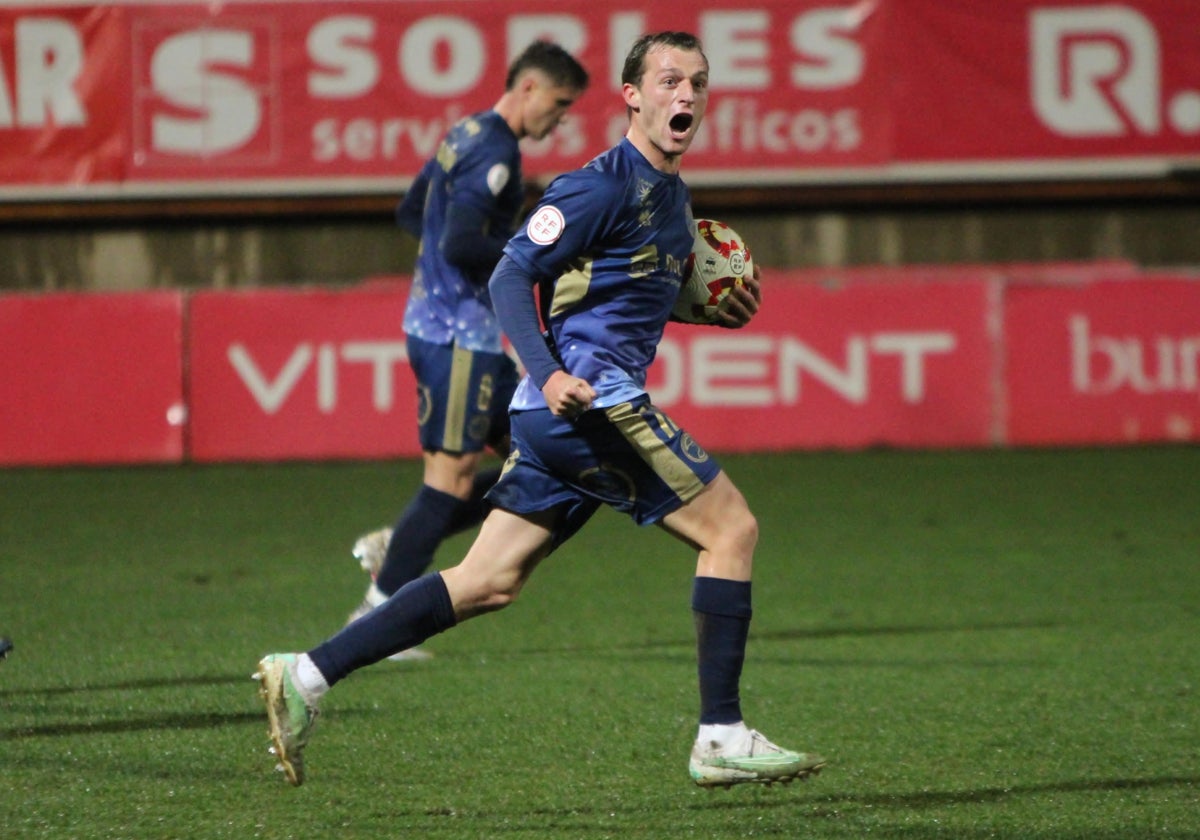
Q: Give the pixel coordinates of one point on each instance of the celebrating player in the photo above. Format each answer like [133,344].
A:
[463,206]
[606,246]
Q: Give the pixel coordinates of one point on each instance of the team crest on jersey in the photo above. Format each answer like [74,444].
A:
[546,225]
[645,215]
[497,177]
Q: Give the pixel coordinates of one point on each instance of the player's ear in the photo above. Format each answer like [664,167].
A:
[632,96]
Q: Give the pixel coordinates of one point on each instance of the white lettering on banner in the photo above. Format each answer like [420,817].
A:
[365,139]
[271,394]
[340,47]
[735,124]
[1096,72]
[463,42]
[737,370]
[49,58]
[1127,361]
[831,58]
[735,43]
[229,109]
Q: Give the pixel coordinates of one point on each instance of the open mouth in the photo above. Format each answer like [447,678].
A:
[680,123]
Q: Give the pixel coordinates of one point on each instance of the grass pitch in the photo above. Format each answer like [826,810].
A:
[985,644]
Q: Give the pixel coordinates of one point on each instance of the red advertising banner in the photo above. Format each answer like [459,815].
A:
[91,378]
[64,94]
[930,358]
[357,93]
[286,90]
[1109,362]
[1025,79]
[848,365]
[277,375]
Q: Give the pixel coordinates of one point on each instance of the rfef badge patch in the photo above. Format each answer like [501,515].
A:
[545,225]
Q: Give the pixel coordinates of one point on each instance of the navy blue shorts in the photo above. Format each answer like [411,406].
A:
[462,396]
[629,456]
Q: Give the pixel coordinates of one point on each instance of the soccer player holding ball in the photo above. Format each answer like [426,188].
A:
[606,247]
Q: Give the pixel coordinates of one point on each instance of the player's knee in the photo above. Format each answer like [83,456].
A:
[741,530]
[485,596]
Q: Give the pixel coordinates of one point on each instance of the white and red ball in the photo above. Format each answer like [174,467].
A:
[719,261]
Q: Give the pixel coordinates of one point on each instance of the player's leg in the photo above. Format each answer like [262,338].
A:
[463,408]
[506,551]
[719,524]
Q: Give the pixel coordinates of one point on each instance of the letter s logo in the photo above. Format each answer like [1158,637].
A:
[226,107]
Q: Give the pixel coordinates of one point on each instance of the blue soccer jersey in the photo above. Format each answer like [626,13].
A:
[607,244]
[478,165]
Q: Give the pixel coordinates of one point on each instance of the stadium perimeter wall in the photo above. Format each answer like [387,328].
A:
[1041,354]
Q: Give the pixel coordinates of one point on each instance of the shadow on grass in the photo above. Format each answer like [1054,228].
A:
[135,724]
[127,685]
[798,634]
[938,799]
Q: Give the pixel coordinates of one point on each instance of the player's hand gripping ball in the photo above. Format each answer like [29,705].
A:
[719,261]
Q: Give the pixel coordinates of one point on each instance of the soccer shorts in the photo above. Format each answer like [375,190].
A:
[629,456]
[462,396]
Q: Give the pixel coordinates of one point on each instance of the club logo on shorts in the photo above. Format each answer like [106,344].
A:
[424,405]
[545,225]
[691,450]
[478,427]
[510,461]
[609,483]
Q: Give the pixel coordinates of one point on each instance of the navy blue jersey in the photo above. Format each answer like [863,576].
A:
[477,167]
[606,245]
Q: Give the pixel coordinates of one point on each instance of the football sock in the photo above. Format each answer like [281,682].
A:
[726,736]
[722,613]
[419,610]
[418,533]
[471,512]
[309,679]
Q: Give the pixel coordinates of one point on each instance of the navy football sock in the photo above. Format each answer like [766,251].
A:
[421,609]
[418,533]
[722,612]
[472,511]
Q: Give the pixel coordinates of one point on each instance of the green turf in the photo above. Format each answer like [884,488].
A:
[985,644]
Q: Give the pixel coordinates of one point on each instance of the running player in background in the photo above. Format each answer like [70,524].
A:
[606,245]
[463,207]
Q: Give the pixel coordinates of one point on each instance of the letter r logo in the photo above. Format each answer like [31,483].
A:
[1095,71]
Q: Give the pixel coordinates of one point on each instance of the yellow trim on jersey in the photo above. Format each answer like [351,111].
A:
[672,469]
[572,285]
[456,399]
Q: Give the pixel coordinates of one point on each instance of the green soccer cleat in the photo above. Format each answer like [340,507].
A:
[289,716]
[754,760]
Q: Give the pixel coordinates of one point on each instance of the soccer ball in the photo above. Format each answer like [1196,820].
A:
[719,261]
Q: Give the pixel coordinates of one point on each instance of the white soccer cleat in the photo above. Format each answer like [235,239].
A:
[751,759]
[371,549]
